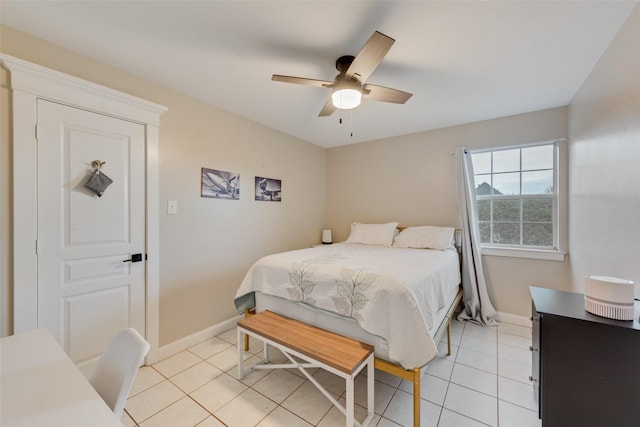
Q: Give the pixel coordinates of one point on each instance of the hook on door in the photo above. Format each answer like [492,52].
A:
[97,164]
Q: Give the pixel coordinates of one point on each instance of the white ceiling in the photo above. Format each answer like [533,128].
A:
[463,61]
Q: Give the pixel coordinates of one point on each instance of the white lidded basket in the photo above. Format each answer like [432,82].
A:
[609,297]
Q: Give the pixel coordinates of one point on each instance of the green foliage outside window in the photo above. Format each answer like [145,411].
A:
[515,196]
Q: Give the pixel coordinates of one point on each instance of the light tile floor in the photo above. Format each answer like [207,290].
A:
[485,381]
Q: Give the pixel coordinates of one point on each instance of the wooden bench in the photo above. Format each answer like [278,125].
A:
[317,348]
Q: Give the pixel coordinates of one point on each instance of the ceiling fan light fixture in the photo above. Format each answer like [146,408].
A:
[346,99]
[348,87]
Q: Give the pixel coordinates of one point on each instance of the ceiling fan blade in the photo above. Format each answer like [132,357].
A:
[370,56]
[386,94]
[328,109]
[301,81]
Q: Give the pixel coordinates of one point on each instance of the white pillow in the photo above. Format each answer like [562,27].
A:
[425,237]
[373,234]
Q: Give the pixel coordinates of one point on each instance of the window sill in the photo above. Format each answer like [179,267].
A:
[548,255]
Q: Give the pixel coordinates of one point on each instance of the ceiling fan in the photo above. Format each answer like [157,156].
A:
[349,86]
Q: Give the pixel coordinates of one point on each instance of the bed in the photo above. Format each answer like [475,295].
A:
[394,291]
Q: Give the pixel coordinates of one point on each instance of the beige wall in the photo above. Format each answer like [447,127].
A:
[412,179]
[605,163]
[209,245]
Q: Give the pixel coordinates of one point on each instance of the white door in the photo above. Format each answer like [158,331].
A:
[87,290]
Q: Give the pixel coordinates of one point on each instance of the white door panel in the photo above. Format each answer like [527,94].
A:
[93,316]
[86,293]
[89,222]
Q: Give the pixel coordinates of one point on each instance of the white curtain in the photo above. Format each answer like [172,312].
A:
[477,305]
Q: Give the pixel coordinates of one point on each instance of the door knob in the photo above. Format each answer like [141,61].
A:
[134,258]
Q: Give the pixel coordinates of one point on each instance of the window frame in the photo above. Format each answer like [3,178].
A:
[555,251]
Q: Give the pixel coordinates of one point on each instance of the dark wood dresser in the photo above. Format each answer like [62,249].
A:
[586,368]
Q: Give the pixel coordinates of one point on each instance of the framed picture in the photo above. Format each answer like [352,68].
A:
[268,189]
[220,184]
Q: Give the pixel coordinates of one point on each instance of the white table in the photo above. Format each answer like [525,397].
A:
[41,386]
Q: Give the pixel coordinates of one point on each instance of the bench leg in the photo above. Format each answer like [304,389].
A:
[449,337]
[349,407]
[247,313]
[370,391]
[416,397]
[240,352]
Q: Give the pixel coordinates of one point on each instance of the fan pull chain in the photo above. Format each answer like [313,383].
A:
[350,122]
[351,131]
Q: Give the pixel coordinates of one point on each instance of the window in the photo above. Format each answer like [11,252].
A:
[517,196]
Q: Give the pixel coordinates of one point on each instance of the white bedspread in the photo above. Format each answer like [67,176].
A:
[390,292]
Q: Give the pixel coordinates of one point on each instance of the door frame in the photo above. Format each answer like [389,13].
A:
[30,82]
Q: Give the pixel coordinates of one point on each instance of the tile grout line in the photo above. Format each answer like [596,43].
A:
[162,409]
[206,410]
[167,378]
[449,382]
[396,389]
[278,405]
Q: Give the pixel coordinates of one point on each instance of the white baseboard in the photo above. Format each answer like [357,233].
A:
[191,340]
[513,319]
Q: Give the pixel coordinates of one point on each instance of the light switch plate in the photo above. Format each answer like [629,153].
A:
[172,207]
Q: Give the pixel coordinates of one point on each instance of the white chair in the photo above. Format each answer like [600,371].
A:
[117,368]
